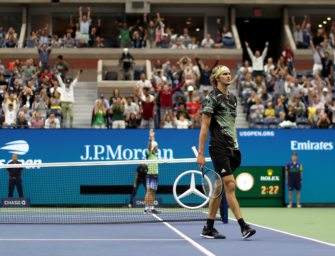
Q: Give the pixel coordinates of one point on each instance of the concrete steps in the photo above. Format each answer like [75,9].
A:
[85,95]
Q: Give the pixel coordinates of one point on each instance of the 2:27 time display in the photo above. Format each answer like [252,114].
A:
[269,190]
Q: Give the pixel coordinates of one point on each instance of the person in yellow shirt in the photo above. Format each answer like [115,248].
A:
[269,111]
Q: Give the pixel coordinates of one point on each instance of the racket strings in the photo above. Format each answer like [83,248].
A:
[212,184]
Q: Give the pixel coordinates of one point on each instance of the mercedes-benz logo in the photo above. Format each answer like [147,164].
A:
[192,190]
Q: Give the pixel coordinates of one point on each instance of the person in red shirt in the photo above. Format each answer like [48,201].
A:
[289,58]
[148,103]
[166,96]
[194,106]
[47,74]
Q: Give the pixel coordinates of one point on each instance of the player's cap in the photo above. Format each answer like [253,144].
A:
[190,88]
[325,90]
[205,90]
[102,96]
[68,80]
[125,50]
[154,144]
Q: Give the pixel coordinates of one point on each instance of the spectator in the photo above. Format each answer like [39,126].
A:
[327,66]
[68,41]
[193,44]
[166,42]
[117,111]
[265,97]
[99,115]
[196,122]
[132,122]
[28,70]
[143,82]
[182,122]
[82,43]
[46,77]
[75,29]
[167,122]
[130,107]
[269,111]
[185,38]
[11,33]
[299,107]
[269,69]
[318,54]
[227,38]
[246,67]
[127,63]
[260,85]
[257,110]
[207,42]
[247,86]
[44,36]
[147,108]
[182,111]
[326,94]
[36,121]
[39,105]
[279,88]
[62,67]
[178,44]
[298,32]
[289,58]
[22,122]
[166,95]
[85,22]
[67,97]
[98,43]
[137,41]
[125,34]
[44,53]
[290,115]
[205,73]
[317,104]
[150,29]
[26,97]
[194,106]
[52,122]
[257,59]
[2,32]
[11,42]
[279,108]
[2,68]
[323,122]
[10,112]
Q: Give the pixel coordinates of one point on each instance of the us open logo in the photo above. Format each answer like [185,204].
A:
[20,147]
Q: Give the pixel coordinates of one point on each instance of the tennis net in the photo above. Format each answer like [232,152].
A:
[100,192]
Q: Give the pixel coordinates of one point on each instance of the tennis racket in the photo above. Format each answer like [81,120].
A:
[211,181]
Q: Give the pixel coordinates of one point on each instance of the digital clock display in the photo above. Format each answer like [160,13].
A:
[260,186]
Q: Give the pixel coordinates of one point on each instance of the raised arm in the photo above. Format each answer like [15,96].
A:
[88,13]
[251,55]
[265,51]
[36,41]
[312,44]
[80,13]
[303,24]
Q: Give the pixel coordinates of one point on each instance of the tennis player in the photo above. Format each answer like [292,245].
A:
[219,113]
[294,179]
[152,175]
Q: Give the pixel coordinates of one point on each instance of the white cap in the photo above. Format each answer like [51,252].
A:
[325,90]
[190,88]
[153,145]
[125,50]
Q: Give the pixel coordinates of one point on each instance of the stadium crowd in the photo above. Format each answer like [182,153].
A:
[35,96]
[148,32]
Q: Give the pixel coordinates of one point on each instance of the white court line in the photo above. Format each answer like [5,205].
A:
[290,234]
[92,239]
[192,242]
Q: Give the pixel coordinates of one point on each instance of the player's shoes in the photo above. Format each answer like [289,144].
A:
[154,211]
[146,211]
[247,231]
[129,206]
[211,233]
[298,205]
[289,206]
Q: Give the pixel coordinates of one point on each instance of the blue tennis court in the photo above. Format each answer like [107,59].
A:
[178,238]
